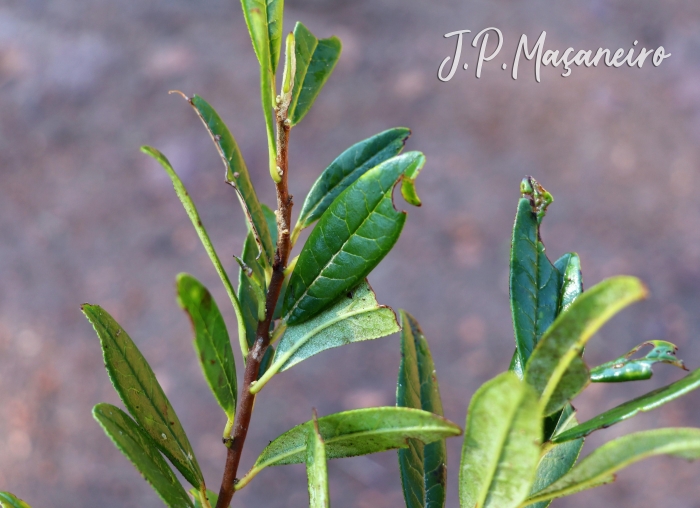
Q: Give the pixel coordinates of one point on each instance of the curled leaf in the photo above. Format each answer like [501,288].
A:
[627,368]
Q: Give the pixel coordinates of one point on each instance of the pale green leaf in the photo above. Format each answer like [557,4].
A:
[141,393]
[357,432]
[316,468]
[139,448]
[646,402]
[600,466]
[8,500]
[355,317]
[564,340]
[501,444]
[212,497]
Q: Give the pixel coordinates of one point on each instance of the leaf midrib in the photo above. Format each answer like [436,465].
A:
[335,439]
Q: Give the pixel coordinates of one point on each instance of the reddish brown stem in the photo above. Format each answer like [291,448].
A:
[262,339]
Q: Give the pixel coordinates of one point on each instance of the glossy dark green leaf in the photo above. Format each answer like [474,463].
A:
[600,466]
[192,213]
[211,341]
[558,458]
[351,238]
[139,448]
[534,282]
[354,317]
[357,432]
[141,393]
[212,497]
[315,61]
[515,365]
[8,500]
[423,467]
[236,173]
[264,20]
[501,444]
[561,345]
[348,167]
[316,468]
[626,368]
[571,279]
[646,402]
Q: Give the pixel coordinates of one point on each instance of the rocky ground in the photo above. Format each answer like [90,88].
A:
[85,217]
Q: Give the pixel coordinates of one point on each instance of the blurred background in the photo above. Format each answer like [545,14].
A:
[84,217]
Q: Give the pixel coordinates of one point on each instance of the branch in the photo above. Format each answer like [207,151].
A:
[262,340]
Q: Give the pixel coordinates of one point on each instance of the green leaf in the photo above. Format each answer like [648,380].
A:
[139,448]
[212,497]
[264,20]
[423,467]
[316,467]
[571,280]
[141,393]
[351,238]
[626,368]
[356,432]
[599,467]
[561,345]
[356,316]
[8,500]
[646,402]
[559,458]
[192,213]
[211,341]
[501,444]
[348,167]
[315,61]
[534,282]
[236,174]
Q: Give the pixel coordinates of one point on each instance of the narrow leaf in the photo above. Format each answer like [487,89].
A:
[8,500]
[192,213]
[139,448]
[423,467]
[348,167]
[211,341]
[564,340]
[249,299]
[571,280]
[357,432]
[315,61]
[316,467]
[236,173]
[264,20]
[501,444]
[646,402]
[355,317]
[626,368]
[141,393]
[559,458]
[534,282]
[351,238]
[212,497]
[599,467]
